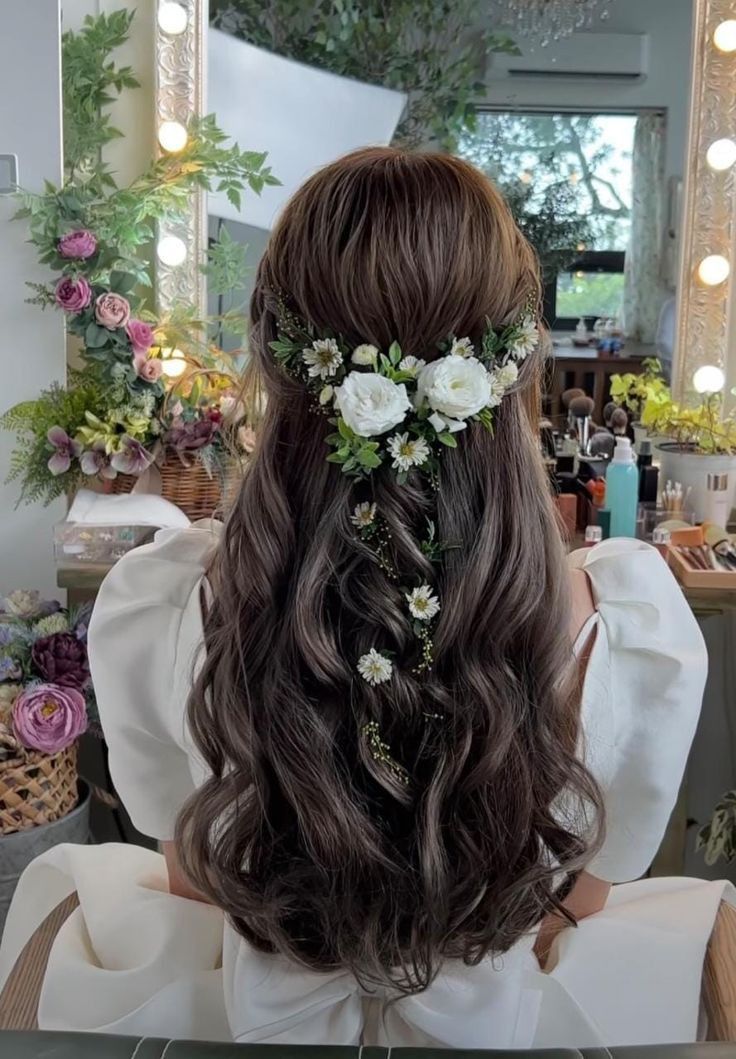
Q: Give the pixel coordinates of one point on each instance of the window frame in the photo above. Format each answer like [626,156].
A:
[610,261]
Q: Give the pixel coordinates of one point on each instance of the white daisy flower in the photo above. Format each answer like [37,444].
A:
[326,394]
[462,347]
[526,339]
[363,515]
[422,603]
[407,452]
[412,365]
[375,668]
[324,358]
[364,354]
[508,374]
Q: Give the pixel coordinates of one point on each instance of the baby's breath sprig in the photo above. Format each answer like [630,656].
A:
[381,752]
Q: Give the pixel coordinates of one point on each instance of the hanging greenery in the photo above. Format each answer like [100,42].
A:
[431,50]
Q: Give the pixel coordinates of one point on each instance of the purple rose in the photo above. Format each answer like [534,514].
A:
[73,295]
[112,311]
[96,461]
[140,335]
[192,435]
[49,718]
[80,244]
[132,458]
[61,659]
[148,370]
[65,449]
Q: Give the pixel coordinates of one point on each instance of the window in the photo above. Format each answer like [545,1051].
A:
[568,179]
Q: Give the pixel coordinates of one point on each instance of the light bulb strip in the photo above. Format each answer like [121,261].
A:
[180,86]
[708,222]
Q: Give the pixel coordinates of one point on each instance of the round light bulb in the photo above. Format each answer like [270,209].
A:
[172,18]
[709,379]
[171,250]
[721,154]
[724,37]
[713,270]
[172,136]
[174,365]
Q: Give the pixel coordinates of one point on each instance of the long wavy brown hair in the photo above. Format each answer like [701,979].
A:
[305,839]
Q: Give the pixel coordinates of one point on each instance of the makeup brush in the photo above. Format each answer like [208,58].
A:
[581,409]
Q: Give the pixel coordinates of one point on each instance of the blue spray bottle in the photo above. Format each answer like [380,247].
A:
[622,490]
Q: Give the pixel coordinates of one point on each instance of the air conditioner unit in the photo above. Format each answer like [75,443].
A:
[621,57]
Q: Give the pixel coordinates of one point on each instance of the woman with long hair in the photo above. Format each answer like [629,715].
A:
[395,743]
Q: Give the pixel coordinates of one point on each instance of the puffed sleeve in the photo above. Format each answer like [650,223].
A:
[641,699]
[144,640]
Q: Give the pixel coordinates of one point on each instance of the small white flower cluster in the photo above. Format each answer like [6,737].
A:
[375,668]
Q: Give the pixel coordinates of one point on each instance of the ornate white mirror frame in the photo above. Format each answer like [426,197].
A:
[180,94]
[706,289]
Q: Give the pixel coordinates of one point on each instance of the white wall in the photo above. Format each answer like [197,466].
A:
[669,26]
[32,351]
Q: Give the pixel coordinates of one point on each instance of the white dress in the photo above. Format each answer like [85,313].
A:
[134,959]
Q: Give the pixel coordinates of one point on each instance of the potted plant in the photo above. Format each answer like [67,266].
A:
[46,703]
[635,392]
[699,440]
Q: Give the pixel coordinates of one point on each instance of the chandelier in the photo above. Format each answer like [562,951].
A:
[549,20]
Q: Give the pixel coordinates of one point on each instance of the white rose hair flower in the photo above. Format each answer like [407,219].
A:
[526,339]
[423,605]
[364,355]
[375,668]
[371,404]
[462,347]
[457,387]
[407,452]
[363,515]
[323,359]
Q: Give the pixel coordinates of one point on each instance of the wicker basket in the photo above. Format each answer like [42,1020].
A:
[35,788]
[190,487]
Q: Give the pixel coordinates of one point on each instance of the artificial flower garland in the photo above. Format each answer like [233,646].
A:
[388,407]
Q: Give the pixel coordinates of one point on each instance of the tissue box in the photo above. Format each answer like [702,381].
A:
[82,542]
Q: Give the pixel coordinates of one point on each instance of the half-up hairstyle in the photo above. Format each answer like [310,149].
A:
[307,838]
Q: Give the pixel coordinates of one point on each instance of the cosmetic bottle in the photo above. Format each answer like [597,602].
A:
[593,536]
[661,540]
[622,490]
[716,508]
[648,475]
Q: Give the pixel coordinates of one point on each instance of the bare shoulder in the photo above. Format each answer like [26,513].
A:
[583,603]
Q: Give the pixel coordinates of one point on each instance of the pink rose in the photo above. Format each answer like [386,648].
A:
[140,335]
[49,718]
[150,370]
[112,311]
[80,244]
[73,295]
